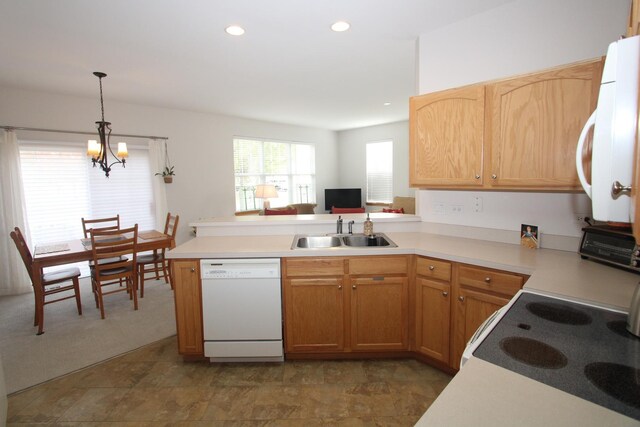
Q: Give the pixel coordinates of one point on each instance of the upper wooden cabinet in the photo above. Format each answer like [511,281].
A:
[533,124]
[634,19]
[445,134]
[517,133]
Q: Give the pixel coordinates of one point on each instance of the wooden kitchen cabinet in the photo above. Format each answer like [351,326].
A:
[346,304]
[533,123]
[445,138]
[517,134]
[433,316]
[433,308]
[478,293]
[188,304]
[314,310]
[379,313]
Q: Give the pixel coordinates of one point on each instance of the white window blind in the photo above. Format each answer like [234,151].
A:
[287,165]
[61,187]
[379,172]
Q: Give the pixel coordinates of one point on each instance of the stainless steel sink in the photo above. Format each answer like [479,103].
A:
[325,241]
[360,240]
[309,242]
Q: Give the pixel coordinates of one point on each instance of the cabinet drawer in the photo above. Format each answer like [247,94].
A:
[490,280]
[379,265]
[305,267]
[433,268]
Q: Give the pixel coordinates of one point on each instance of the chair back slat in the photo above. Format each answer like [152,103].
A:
[23,249]
[101,224]
[171,228]
[107,244]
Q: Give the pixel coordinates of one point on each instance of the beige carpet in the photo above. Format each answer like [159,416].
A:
[72,342]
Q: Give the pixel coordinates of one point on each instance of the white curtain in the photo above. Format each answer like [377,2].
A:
[158,158]
[13,274]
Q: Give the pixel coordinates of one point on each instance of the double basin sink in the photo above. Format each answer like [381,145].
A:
[324,241]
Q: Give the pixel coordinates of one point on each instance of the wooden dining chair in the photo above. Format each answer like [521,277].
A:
[102,224]
[156,262]
[114,244]
[51,282]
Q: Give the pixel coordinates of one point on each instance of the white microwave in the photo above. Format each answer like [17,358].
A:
[614,125]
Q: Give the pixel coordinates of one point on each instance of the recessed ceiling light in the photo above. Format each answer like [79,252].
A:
[386,104]
[234,30]
[340,26]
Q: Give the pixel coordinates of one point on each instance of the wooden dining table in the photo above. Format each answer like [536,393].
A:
[78,250]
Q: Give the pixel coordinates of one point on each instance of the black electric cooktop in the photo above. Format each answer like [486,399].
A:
[579,349]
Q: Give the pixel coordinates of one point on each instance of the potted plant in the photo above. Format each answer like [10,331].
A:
[167,174]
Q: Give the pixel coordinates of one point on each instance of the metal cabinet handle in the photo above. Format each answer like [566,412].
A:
[477,176]
[445,293]
[193,270]
[353,287]
[339,286]
[431,267]
[461,299]
[487,279]
[494,176]
[618,189]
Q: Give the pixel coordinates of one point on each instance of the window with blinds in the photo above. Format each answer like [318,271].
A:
[289,166]
[61,187]
[379,172]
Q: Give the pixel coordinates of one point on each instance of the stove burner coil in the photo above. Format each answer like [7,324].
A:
[559,313]
[533,353]
[619,381]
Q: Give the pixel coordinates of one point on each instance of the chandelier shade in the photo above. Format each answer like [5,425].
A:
[99,150]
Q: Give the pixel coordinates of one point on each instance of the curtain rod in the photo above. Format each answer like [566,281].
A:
[81,133]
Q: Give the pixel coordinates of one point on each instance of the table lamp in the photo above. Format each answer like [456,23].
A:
[266,192]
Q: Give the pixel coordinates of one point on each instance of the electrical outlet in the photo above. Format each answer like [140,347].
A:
[580,217]
[477,204]
[455,209]
[438,208]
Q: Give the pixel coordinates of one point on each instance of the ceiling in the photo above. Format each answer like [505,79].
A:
[288,67]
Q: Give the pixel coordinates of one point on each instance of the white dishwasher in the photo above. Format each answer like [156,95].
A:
[242,309]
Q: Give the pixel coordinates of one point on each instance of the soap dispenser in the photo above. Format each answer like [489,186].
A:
[368,227]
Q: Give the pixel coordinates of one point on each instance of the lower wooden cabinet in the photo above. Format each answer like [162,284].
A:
[379,313]
[188,303]
[478,293]
[314,309]
[433,308]
[345,304]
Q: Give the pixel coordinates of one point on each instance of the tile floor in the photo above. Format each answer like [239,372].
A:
[153,386]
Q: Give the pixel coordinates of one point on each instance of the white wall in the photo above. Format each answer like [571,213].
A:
[200,145]
[518,37]
[352,155]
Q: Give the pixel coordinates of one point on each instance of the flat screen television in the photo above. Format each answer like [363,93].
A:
[342,198]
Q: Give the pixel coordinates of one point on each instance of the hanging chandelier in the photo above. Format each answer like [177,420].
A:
[99,151]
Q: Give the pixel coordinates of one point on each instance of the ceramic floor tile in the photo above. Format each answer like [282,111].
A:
[96,404]
[152,386]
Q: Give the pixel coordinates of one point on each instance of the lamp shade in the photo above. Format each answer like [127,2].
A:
[122,150]
[266,191]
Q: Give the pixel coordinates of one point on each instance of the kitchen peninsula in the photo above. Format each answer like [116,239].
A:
[481,392]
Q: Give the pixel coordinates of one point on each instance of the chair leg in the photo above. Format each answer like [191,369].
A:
[142,281]
[134,290]
[100,301]
[165,273]
[35,311]
[76,289]
[95,292]
[40,315]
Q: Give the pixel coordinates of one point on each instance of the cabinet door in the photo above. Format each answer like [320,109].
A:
[314,315]
[379,313]
[445,134]
[471,309]
[433,302]
[533,124]
[188,302]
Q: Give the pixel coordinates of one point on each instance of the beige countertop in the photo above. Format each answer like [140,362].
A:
[481,393]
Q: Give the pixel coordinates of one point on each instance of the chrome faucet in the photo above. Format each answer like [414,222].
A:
[339,225]
[350,224]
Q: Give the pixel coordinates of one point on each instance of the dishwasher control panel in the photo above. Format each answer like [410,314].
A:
[240,268]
